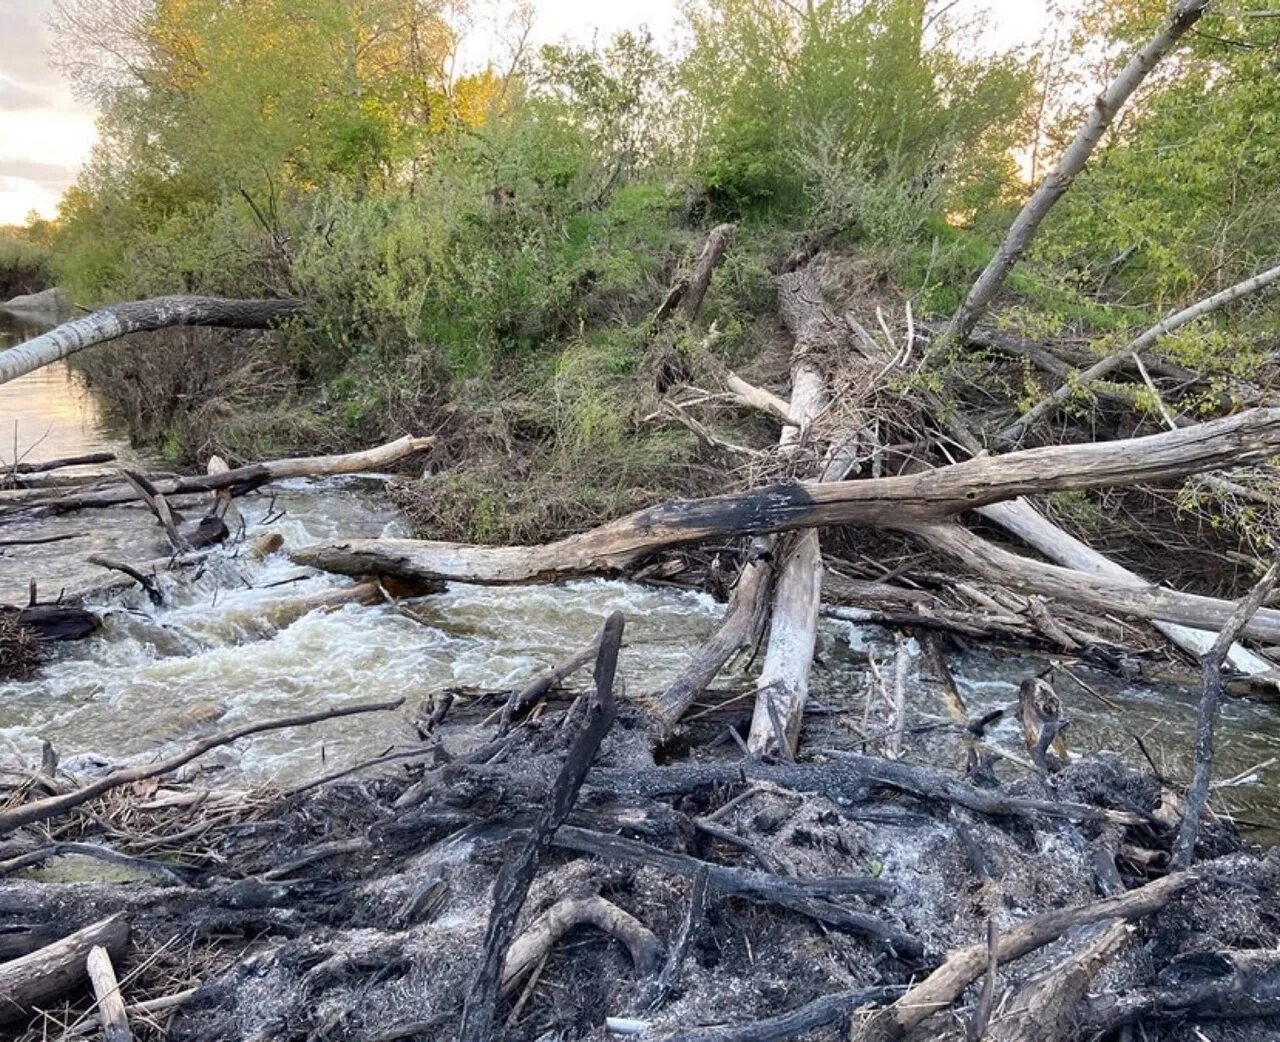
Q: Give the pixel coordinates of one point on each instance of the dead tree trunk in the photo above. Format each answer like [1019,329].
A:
[239,480]
[1053,187]
[900,502]
[36,979]
[687,291]
[783,685]
[111,323]
[1022,519]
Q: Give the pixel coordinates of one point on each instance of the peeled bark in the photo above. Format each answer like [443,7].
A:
[900,502]
[1113,361]
[1053,187]
[1133,598]
[783,685]
[111,323]
[743,619]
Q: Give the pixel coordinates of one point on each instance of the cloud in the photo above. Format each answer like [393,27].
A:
[14,96]
[49,176]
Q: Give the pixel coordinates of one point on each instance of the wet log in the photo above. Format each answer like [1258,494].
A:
[516,876]
[1040,714]
[745,617]
[898,502]
[1184,843]
[106,990]
[541,935]
[1054,186]
[55,622]
[961,968]
[238,480]
[111,323]
[46,974]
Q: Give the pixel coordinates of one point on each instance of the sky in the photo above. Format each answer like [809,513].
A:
[45,133]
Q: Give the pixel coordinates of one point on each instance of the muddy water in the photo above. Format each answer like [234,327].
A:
[231,647]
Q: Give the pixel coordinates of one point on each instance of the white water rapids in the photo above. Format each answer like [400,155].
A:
[228,648]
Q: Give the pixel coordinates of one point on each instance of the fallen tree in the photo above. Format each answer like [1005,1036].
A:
[140,316]
[902,502]
[238,480]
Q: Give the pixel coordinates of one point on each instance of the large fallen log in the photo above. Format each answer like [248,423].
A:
[47,973]
[1132,598]
[783,685]
[945,984]
[111,323]
[238,480]
[899,502]
[1033,528]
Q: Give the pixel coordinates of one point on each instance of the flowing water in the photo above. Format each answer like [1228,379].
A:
[234,646]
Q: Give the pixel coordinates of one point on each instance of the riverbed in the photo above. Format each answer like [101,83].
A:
[230,648]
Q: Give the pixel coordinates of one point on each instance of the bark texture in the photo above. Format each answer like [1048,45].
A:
[141,316]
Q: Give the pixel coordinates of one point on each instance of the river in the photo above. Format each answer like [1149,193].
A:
[228,646]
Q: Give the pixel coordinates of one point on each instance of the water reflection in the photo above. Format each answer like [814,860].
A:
[48,413]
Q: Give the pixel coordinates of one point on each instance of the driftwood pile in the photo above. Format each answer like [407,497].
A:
[553,873]
[548,865]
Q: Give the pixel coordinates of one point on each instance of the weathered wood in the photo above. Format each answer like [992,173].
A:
[106,989]
[1054,186]
[51,806]
[1046,1008]
[47,973]
[239,480]
[54,622]
[541,935]
[512,884]
[743,619]
[1184,843]
[1134,599]
[139,316]
[892,502]
[687,291]
[961,968]
[1033,528]
[87,459]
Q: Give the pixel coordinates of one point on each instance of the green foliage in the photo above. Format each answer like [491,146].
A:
[1186,197]
[24,262]
[809,110]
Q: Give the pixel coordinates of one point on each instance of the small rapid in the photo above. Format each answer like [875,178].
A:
[236,643]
